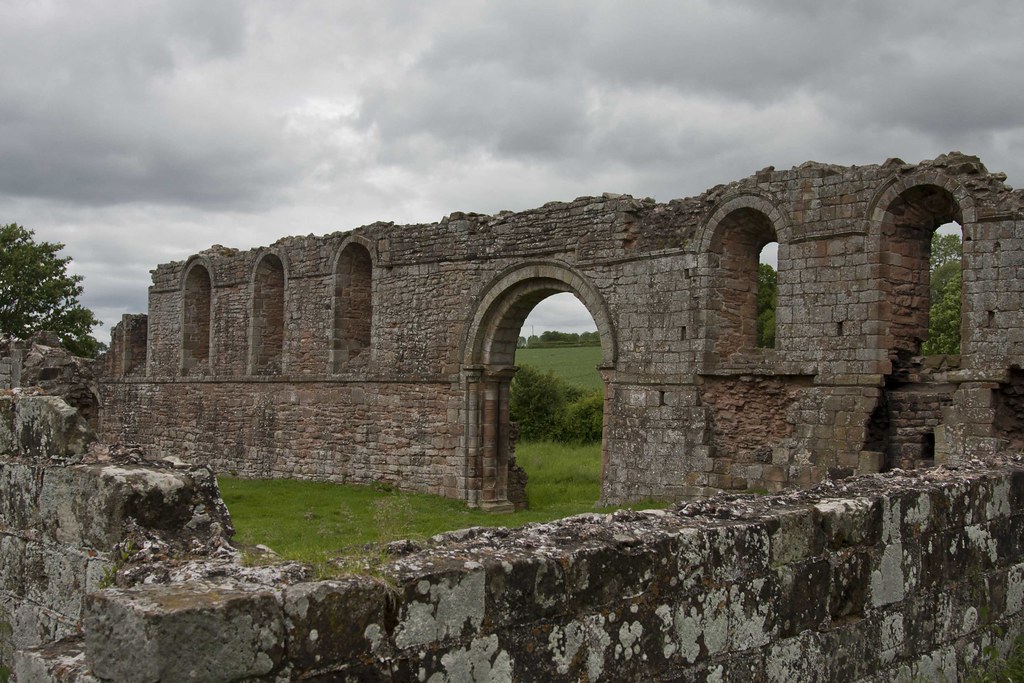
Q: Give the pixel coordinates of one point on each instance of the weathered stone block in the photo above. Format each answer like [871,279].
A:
[850,522]
[62,662]
[337,623]
[46,426]
[799,606]
[184,633]
[797,536]
[441,606]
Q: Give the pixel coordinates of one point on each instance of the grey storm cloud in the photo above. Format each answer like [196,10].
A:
[141,133]
[106,112]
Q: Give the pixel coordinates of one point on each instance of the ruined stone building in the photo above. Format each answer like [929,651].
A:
[385,353]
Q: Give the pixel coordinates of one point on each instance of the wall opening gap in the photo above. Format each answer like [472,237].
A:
[556,399]
[767,294]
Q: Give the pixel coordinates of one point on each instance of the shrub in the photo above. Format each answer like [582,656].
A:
[581,421]
[549,408]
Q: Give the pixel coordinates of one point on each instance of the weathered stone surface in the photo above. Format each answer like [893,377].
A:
[67,531]
[185,633]
[62,662]
[8,441]
[332,624]
[872,578]
[44,427]
[42,363]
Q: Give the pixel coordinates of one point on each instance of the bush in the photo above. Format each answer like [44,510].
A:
[582,420]
[549,408]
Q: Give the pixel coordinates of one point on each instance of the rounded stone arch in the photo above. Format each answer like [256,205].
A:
[901,218]
[361,240]
[488,354]
[196,260]
[197,288]
[352,276]
[896,186]
[507,301]
[709,234]
[268,305]
[730,241]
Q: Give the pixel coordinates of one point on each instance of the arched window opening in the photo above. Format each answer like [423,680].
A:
[556,404]
[910,234]
[353,306]
[740,241]
[767,294]
[197,301]
[267,340]
[945,284]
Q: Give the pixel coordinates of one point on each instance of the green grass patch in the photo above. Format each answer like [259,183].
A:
[311,521]
[576,365]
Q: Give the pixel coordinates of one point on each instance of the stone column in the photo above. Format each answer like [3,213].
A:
[473,375]
[495,434]
[607,373]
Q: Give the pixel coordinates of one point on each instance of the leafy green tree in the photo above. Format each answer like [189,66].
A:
[37,293]
[946,249]
[944,308]
[944,319]
[767,291]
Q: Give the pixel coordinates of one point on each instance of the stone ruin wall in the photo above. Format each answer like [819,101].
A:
[115,563]
[72,511]
[396,343]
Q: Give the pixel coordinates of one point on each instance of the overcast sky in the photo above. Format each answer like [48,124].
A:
[141,132]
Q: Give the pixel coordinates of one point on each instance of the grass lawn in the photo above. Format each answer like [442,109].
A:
[311,521]
[577,365]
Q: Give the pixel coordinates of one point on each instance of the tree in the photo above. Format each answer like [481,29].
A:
[946,249]
[944,319]
[37,293]
[944,304]
[767,289]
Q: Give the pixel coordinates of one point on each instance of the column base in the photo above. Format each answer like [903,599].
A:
[497,506]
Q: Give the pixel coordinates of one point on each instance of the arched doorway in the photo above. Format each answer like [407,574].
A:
[489,365]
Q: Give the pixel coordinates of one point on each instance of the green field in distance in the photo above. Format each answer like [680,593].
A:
[577,365]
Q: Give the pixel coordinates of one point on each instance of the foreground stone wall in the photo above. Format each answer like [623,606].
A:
[72,512]
[114,563]
[898,577]
[332,346]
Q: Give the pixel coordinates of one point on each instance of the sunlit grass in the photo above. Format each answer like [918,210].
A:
[308,521]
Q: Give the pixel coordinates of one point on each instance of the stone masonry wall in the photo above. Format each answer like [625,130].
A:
[72,511]
[881,578]
[343,431]
[444,302]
